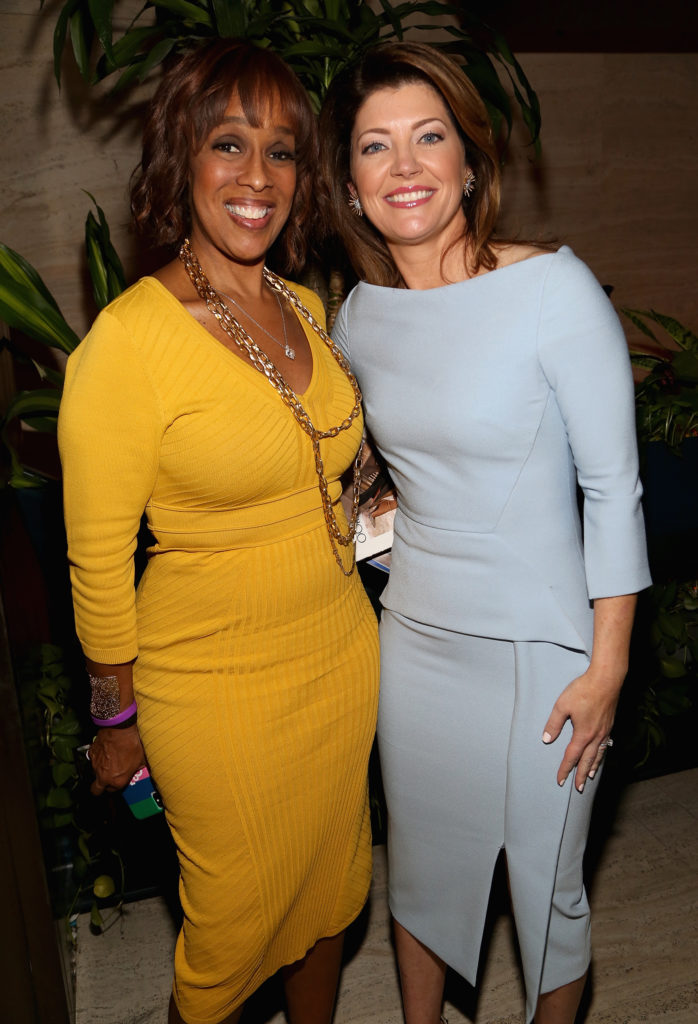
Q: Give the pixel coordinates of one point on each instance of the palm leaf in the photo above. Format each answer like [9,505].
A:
[38,402]
[635,317]
[106,271]
[23,272]
[81,32]
[27,310]
[187,9]
[60,34]
[230,18]
[40,410]
[101,12]
[681,335]
[318,37]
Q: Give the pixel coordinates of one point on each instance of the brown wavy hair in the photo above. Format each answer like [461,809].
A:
[189,102]
[388,66]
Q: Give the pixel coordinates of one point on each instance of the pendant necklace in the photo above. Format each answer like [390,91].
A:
[261,361]
[289,352]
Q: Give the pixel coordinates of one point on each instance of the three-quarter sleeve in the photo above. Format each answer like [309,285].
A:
[109,433]
[584,356]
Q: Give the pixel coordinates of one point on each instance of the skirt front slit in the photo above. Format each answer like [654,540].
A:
[466,775]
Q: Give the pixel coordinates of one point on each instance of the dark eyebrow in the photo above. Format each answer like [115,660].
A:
[236,119]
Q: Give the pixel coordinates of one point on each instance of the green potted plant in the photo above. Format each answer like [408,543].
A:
[661,702]
[666,397]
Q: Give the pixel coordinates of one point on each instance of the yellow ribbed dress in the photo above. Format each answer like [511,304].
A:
[256,671]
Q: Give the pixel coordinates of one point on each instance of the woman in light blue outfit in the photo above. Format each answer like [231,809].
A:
[495,379]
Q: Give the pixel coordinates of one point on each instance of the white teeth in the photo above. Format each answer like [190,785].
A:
[248,212]
[410,197]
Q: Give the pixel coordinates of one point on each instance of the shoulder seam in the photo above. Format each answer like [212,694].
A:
[126,335]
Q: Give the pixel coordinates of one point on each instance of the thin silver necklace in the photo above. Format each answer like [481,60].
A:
[289,352]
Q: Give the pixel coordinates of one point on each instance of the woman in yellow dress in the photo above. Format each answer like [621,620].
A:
[249,651]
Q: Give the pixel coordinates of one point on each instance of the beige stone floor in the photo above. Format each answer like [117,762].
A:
[644,894]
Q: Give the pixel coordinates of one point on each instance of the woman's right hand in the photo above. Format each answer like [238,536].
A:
[116,756]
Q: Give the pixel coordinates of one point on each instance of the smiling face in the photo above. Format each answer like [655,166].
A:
[241,186]
[408,165]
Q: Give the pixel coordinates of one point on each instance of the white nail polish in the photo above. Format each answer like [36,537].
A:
[547,737]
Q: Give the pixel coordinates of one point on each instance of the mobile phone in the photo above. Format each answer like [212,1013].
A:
[142,796]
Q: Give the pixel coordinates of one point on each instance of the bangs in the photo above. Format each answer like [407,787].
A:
[190,102]
[263,84]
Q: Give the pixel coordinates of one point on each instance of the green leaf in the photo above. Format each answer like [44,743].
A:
[60,820]
[33,403]
[59,797]
[106,271]
[392,17]
[185,9]
[685,366]
[95,262]
[80,38]
[59,35]
[83,845]
[671,625]
[156,56]
[672,668]
[635,315]
[27,310]
[124,51]
[672,703]
[101,12]
[17,268]
[67,725]
[51,705]
[230,18]
[315,47]
[62,771]
[79,868]
[681,335]
[647,361]
[64,747]
[49,374]
[96,921]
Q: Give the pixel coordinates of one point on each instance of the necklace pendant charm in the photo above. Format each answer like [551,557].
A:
[290,352]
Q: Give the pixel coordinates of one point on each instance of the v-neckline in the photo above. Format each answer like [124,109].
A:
[238,360]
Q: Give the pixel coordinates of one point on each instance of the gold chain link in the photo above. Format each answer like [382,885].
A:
[261,361]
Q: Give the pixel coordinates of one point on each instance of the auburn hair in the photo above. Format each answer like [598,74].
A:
[388,66]
[190,101]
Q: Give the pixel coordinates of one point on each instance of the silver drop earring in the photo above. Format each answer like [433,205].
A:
[355,205]
[469,184]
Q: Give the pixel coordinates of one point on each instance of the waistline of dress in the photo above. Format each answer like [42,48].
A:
[245,526]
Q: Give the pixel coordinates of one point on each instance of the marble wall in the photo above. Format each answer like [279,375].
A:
[616,179]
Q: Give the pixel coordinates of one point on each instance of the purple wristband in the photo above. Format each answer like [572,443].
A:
[105,723]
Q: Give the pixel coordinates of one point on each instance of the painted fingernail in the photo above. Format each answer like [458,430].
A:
[580,788]
[547,737]
[562,783]
[592,773]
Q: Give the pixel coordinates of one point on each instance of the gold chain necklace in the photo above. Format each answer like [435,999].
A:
[261,361]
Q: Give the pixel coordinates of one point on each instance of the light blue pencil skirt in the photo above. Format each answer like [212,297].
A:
[466,774]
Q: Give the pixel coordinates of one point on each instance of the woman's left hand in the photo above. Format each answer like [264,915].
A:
[590,704]
[590,700]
